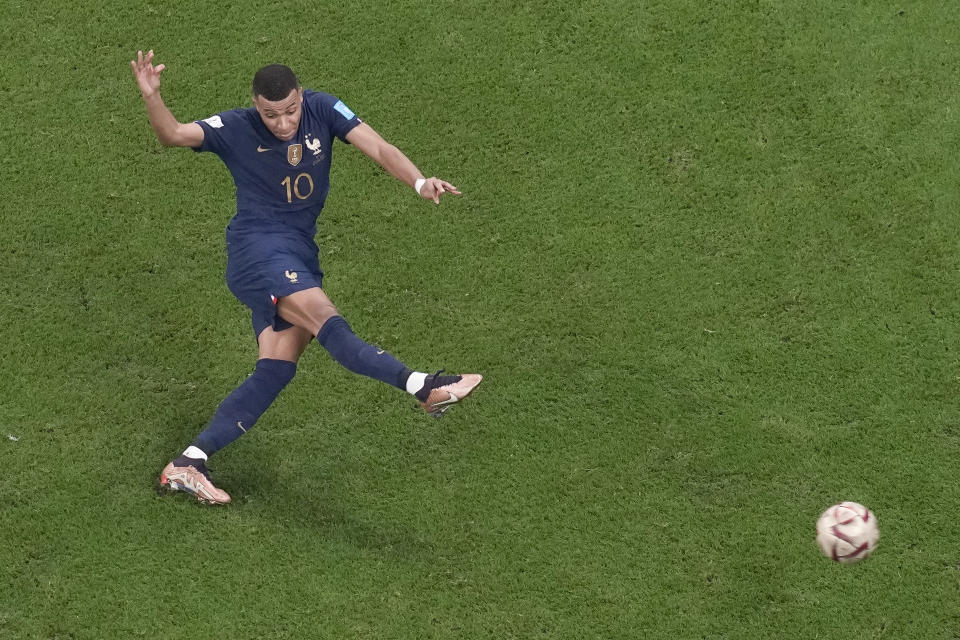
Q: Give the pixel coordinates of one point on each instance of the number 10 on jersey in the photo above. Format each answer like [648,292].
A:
[297,187]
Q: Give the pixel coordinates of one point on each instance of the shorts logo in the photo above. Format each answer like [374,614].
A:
[292,276]
[294,154]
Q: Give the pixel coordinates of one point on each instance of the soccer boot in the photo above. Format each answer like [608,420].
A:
[191,475]
[439,393]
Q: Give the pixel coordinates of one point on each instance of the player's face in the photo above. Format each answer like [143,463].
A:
[282,117]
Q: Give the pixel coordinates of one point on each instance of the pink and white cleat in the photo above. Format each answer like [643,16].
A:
[439,393]
[191,475]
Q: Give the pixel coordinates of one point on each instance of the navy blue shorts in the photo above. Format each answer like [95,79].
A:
[263,267]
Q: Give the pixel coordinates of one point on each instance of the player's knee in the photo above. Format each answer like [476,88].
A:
[319,315]
[277,373]
[325,313]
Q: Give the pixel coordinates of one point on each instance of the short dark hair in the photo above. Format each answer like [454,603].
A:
[275,82]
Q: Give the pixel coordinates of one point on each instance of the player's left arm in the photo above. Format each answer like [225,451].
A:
[398,165]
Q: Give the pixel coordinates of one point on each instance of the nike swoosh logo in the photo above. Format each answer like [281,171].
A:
[187,484]
[261,149]
[380,352]
[240,424]
[453,398]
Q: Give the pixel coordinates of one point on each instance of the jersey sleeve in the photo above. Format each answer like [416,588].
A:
[218,130]
[333,111]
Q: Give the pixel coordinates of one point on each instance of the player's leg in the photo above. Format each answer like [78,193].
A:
[279,352]
[276,365]
[288,344]
[312,309]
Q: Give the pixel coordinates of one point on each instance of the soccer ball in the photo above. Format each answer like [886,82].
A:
[847,532]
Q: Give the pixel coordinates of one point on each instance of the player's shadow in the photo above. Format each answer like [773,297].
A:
[323,507]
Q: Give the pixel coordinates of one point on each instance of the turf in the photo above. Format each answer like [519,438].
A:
[706,258]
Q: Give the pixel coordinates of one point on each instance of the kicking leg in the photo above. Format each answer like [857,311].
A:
[312,310]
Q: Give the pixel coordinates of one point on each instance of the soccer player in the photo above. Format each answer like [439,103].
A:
[279,153]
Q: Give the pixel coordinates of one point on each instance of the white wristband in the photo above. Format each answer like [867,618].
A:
[419,185]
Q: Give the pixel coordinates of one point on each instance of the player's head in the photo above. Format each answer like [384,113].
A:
[277,96]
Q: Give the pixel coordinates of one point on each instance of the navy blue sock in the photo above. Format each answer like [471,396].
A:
[354,354]
[245,404]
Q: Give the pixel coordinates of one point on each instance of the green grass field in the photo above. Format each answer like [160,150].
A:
[706,257]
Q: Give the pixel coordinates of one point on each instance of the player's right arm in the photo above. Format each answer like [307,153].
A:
[170,132]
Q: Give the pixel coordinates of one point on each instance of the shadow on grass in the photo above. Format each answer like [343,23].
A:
[321,507]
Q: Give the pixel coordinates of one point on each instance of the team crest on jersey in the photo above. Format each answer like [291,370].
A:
[294,154]
[292,276]
[314,146]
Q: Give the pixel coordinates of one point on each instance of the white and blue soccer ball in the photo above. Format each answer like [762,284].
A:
[847,532]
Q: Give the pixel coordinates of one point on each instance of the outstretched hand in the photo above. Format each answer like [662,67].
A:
[147,75]
[434,187]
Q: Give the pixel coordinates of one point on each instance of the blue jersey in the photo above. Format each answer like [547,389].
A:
[281,185]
